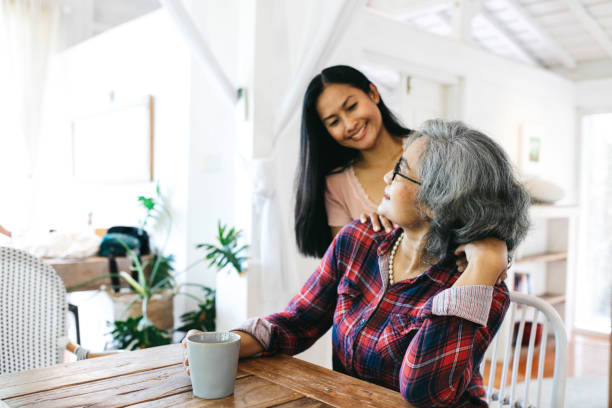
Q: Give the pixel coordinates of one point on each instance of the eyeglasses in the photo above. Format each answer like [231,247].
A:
[396,172]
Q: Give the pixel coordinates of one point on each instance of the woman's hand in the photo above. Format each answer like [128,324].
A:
[185,358]
[378,221]
[249,346]
[4,231]
[461,263]
[487,262]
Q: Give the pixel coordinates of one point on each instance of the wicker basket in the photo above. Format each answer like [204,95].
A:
[160,308]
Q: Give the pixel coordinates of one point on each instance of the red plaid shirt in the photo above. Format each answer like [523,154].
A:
[405,337]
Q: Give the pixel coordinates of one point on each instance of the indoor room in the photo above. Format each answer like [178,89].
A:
[230,167]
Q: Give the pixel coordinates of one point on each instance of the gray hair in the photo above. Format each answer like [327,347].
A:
[470,186]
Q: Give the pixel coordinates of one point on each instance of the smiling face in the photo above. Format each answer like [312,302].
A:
[351,116]
[399,201]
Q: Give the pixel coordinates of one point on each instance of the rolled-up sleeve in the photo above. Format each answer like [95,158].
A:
[472,303]
[259,328]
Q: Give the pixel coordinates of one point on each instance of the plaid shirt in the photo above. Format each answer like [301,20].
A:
[409,337]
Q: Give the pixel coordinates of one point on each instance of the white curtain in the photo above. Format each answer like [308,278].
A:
[27,38]
[272,258]
[595,237]
[321,25]
[312,30]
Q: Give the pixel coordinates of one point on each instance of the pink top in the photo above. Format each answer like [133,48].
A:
[345,198]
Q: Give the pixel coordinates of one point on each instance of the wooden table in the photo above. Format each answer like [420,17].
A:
[155,378]
[75,272]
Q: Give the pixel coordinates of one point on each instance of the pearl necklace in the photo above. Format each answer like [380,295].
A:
[392,257]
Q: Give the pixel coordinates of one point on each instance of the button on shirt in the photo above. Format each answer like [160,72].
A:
[420,336]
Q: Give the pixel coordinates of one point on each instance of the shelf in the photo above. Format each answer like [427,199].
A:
[553,298]
[75,272]
[543,257]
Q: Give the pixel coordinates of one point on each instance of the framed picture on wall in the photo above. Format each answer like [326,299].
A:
[530,148]
[114,145]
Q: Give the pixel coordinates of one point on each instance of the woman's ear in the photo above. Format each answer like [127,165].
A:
[429,213]
[374,95]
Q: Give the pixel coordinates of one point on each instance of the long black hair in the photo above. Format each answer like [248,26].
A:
[320,154]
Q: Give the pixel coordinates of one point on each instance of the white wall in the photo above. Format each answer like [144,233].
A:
[212,141]
[143,57]
[195,144]
[594,95]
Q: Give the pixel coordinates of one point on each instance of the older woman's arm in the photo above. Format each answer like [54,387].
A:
[443,355]
[466,316]
[309,314]
[487,261]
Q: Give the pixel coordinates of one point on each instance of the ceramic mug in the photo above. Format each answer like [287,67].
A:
[213,363]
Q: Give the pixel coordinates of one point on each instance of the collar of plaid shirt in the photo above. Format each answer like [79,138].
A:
[441,273]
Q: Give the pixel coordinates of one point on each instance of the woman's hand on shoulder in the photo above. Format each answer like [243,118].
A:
[378,221]
[484,261]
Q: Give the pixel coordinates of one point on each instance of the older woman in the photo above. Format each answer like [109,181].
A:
[402,316]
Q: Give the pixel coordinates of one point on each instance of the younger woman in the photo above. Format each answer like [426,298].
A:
[349,140]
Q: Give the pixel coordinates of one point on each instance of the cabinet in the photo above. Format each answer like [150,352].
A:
[546,260]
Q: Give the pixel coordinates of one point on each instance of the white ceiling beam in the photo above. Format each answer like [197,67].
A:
[199,47]
[506,37]
[99,27]
[463,11]
[567,60]
[418,8]
[410,9]
[591,25]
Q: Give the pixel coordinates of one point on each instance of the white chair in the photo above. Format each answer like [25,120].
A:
[32,311]
[518,395]
[32,314]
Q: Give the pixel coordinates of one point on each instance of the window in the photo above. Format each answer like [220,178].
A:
[594,275]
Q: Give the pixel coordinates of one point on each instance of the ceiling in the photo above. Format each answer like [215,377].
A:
[83,19]
[572,37]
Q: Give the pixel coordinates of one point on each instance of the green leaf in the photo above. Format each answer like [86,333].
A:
[204,317]
[139,289]
[227,252]
[132,334]
[147,202]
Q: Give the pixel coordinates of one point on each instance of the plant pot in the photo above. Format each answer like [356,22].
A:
[160,308]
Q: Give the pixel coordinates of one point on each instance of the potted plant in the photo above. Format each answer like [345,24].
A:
[151,297]
[229,255]
[144,315]
[158,289]
[144,329]
[204,317]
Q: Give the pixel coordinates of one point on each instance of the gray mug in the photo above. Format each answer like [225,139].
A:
[213,363]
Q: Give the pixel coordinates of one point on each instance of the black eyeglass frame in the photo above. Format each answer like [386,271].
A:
[396,172]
